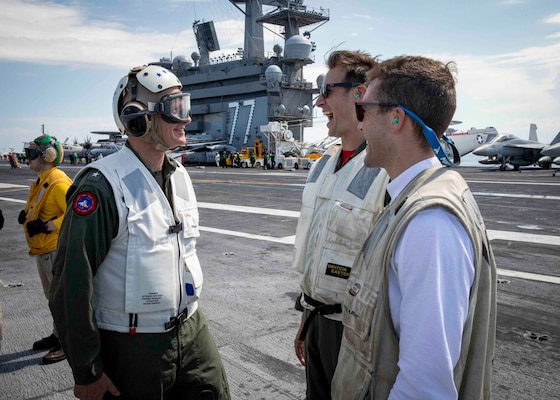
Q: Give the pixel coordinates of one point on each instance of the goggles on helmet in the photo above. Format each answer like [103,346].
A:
[174,108]
[32,153]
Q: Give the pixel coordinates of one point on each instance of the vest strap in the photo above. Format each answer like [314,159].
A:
[178,320]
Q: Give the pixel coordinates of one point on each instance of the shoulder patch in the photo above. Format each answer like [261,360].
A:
[84,203]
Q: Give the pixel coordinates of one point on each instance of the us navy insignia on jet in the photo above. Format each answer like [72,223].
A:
[85,203]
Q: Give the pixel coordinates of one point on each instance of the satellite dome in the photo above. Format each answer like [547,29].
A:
[181,63]
[195,57]
[298,47]
[273,73]
[277,50]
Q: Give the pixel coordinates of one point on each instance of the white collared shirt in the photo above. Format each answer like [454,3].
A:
[431,273]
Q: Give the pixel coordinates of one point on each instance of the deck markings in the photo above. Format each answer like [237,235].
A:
[290,240]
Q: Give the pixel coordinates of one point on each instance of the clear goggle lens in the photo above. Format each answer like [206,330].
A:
[175,108]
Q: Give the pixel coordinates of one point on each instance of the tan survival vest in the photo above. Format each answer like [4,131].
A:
[367,363]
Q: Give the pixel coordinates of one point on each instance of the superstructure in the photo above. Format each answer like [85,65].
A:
[233,96]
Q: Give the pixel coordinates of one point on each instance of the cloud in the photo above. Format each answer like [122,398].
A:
[553,19]
[509,90]
[55,34]
[511,2]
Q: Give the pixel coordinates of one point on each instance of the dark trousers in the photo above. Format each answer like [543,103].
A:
[183,363]
[321,345]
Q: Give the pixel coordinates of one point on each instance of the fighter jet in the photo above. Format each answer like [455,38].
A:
[510,149]
[551,154]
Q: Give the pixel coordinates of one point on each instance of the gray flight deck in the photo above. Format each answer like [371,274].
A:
[248,220]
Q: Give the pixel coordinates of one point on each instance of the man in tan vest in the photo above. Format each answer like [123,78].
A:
[341,200]
[419,314]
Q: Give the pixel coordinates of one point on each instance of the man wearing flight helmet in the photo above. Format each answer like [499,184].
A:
[41,219]
[127,277]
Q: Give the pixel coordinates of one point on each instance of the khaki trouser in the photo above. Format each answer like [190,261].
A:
[45,270]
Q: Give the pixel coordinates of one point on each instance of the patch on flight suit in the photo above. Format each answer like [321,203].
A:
[84,203]
[338,271]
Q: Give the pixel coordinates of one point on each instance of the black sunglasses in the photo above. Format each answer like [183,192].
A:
[360,110]
[428,132]
[324,90]
[31,153]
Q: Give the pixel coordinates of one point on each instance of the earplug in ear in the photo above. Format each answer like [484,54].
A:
[395,121]
[357,95]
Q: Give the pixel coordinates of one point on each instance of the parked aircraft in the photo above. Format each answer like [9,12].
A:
[114,136]
[201,149]
[551,154]
[467,141]
[458,143]
[79,149]
[200,154]
[105,146]
[510,149]
[71,149]
[105,149]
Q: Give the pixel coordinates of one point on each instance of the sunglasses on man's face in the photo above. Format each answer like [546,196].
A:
[324,90]
[360,108]
[428,132]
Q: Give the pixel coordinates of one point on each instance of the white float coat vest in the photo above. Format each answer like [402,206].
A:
[338,211]
[151,273]
[367,363]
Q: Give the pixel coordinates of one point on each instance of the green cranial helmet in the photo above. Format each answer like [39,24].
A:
[50,149]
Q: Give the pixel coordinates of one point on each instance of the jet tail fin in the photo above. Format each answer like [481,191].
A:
[556,139]
[533,132]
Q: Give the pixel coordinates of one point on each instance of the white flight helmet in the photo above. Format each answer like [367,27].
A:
[138,97]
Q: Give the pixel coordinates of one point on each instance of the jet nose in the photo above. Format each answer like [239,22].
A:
[484,150]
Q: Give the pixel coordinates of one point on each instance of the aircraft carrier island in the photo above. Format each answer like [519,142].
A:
[233,96]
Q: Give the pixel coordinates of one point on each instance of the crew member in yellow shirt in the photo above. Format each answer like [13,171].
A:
[41,219]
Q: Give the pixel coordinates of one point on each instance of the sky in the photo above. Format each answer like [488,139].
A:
[60,61]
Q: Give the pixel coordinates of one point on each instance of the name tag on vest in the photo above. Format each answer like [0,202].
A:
[338,271]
